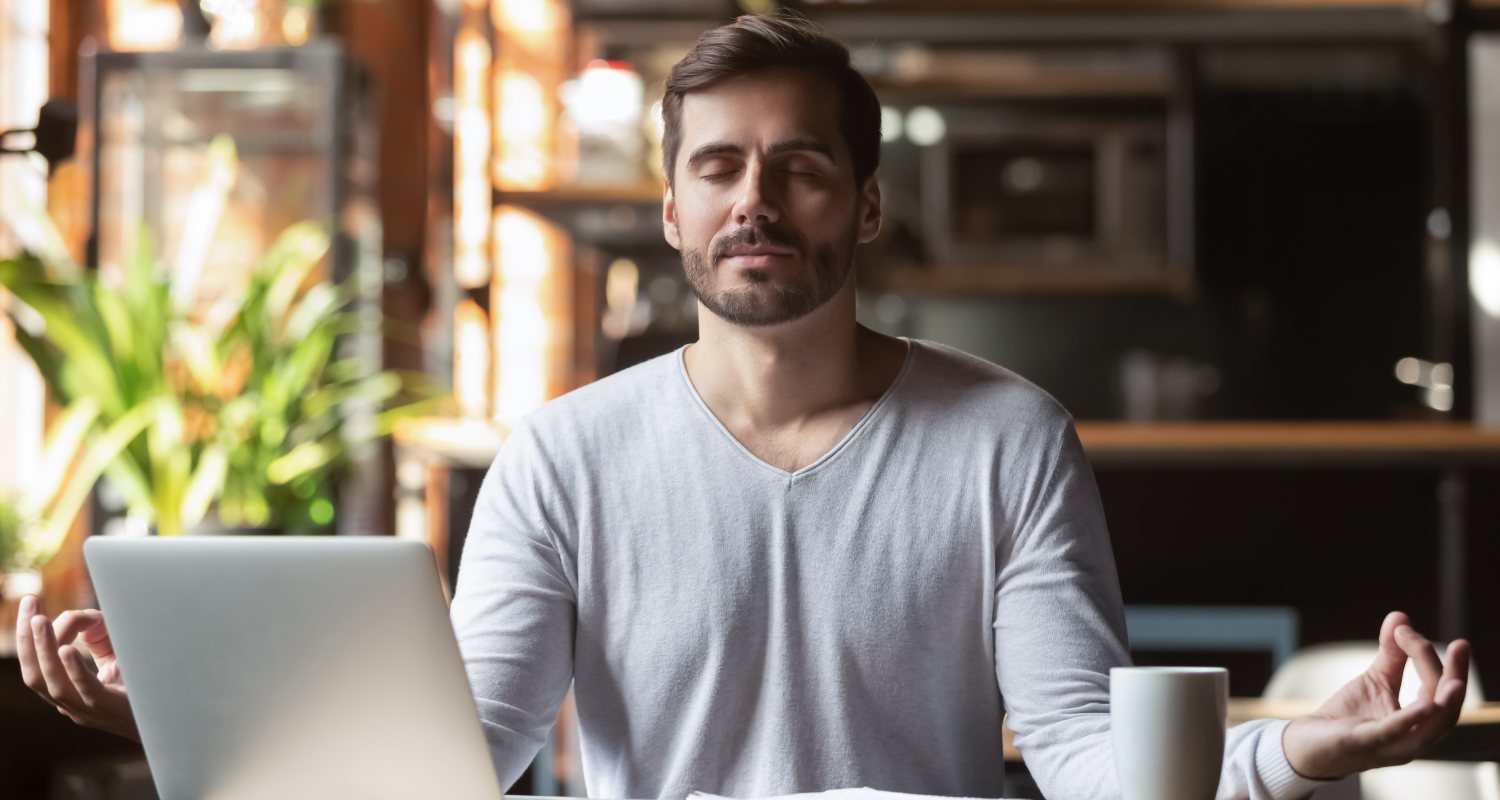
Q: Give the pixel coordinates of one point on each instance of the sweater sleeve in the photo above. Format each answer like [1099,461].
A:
[514,610]
[1059,626]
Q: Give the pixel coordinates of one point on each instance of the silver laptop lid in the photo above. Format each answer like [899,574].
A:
[291,667]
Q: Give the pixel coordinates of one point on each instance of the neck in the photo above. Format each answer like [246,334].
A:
[780,376]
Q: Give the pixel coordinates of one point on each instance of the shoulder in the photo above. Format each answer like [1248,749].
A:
[978,412]
[951,384]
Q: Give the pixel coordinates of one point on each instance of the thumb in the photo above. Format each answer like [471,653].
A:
[87,625]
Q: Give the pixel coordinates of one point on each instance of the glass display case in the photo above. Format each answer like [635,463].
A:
[303,128]
[301,122]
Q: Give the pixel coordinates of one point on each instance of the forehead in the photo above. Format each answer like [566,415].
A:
[761,109]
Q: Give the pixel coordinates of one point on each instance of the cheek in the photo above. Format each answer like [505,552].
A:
[709,201]
[700,216]
[823,214]
[696,230]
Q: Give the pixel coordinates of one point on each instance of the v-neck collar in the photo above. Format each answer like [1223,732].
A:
[864,420]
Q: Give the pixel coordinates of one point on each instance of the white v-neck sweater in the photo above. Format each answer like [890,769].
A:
[864,621]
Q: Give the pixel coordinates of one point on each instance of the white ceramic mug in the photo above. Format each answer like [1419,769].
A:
[1168,726]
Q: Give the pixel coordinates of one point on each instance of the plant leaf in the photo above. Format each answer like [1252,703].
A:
[64,441]
[103,450]
[302,459]
[206,484]
[288,263]
[83,360]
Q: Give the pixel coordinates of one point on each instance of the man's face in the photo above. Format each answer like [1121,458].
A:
[763,204]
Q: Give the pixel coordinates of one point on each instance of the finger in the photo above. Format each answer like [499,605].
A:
[90,690]
[1456,661]
[1390,663]
[1451,701]
[96,636]
[66,626]
[86,624]
[31,674]
[1450,695]
[106,707]
[1424,733]
[56,678]
[1455,682]
[1396,729]
[1424,656]
[1418,731]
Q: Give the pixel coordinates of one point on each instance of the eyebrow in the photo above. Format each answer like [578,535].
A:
[806,144]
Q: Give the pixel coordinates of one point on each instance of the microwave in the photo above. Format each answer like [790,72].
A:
[1048,190]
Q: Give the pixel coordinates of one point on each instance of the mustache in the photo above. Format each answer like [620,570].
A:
[751,237]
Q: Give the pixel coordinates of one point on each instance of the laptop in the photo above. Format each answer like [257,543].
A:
[291,667]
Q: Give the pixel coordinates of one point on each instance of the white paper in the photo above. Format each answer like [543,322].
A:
[862,793]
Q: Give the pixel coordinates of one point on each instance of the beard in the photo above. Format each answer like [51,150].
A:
[762,302]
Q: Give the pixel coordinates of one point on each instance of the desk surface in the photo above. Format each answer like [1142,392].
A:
[1477,737]
[1242,709]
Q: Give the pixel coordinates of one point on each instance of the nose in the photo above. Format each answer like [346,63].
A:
[756,204]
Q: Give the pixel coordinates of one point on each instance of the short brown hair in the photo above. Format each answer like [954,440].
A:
[784,40]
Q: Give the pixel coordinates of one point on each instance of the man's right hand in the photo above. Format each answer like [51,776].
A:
[53,668]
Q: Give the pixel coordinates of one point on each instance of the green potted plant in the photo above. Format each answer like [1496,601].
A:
[240,416]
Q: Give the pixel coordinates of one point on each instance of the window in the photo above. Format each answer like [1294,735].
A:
[23,89]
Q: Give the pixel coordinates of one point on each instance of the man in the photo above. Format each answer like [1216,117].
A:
[800,555]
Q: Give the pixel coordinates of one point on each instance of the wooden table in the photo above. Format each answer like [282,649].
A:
[1475,738]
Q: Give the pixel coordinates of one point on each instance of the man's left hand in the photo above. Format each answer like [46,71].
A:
[1363,726]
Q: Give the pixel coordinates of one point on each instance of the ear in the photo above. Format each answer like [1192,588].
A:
[869,209]
[669,217]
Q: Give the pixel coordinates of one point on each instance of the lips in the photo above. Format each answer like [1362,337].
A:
[754,256]
[749,259]
[751,248]
[756,251]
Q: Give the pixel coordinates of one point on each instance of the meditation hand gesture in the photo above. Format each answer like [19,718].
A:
[1364,727]
[58,671]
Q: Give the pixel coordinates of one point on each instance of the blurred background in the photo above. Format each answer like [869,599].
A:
[1252,245]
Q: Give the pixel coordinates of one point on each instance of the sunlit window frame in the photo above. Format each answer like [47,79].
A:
[23,89]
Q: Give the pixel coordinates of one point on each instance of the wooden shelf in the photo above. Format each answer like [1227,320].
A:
[1025,22]
[563,196]
[1290,443]
[474,443]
